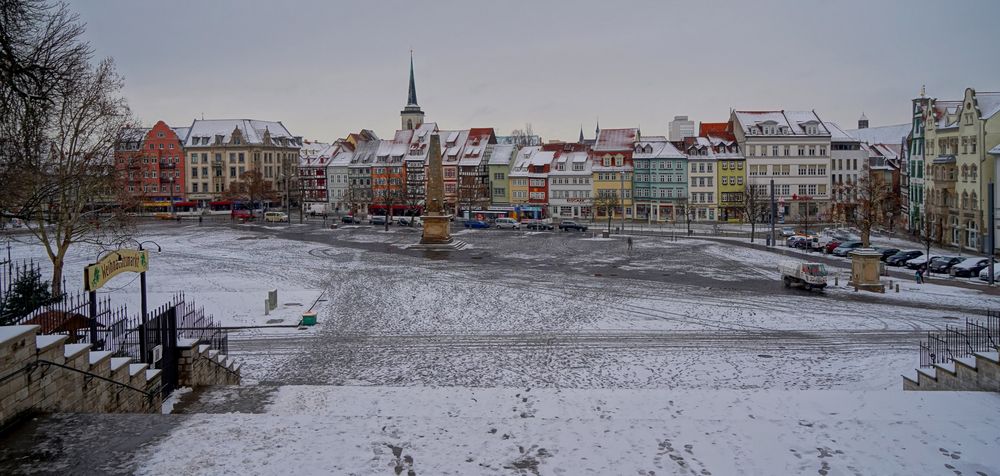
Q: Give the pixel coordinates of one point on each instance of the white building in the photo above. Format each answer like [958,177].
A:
[793,148]
[314,159]
[847,162]
[340,157]
[570,183]
[681,128]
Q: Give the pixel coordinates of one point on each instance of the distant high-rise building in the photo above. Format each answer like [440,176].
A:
[681,128]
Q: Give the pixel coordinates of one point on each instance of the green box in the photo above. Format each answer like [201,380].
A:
[309,318]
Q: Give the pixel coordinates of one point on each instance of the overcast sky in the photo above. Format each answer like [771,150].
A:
[329,68]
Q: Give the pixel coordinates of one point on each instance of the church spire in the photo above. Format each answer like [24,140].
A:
[581,134]
[411,99]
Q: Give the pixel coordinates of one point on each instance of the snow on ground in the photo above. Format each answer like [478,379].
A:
[366,430]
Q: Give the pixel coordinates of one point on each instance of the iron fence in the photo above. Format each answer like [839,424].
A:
[955,342]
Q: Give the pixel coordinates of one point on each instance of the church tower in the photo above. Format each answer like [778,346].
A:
[411,115]
[863,122]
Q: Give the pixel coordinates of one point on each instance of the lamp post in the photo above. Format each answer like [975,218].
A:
[171,196]
[622,189]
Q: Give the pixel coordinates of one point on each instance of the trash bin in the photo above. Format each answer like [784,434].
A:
[309,318]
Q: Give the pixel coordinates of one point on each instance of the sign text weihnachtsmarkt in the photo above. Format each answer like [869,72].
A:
[98,274]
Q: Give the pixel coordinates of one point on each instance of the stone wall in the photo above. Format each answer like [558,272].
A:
[200,366]
[33,379]
[979,373]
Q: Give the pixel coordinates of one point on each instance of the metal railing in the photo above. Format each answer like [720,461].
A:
[955,342]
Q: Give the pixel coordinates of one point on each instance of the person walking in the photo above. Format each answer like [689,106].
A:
[628,242]
[919,275]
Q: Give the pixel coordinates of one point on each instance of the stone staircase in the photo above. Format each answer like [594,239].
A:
[978,373]
[42,373]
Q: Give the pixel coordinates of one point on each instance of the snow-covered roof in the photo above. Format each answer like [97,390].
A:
[501,154]
[711,148]
[313,154]
[785,122]
[837,134]
[182,133]
[893,134]
[616,139]
[570,158]
[656,147]
[989,104]
[995,150]
[203,132]
[134,134]
[542,157]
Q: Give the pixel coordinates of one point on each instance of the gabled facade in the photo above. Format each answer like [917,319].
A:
[337,175]
[359,172]
[660,182]
[612,166]
[500,158]
[847,163]
[570,179]
[314,160]
[228,148]
[150,163]
[793,149]
[958,135]
[473,170]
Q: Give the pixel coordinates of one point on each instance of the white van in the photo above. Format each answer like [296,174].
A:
[508,223]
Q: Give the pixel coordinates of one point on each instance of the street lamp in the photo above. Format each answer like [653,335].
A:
[171,178]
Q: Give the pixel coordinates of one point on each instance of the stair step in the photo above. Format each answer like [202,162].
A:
[96,357]
[119,362]
[151,374]
[991,356]
[212,354]
[203,347]
[969,362]
[9,333]
[134,369]
[43,342]
[928,371]
[72,350]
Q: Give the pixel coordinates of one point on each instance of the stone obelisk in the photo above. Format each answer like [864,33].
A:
[436,222]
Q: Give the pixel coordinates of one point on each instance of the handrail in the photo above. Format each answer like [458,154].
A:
[223,367]
[49,363]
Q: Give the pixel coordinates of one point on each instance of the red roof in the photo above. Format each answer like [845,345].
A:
[616,139]
[722,130]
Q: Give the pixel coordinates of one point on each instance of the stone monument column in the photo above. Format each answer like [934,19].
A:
[436,223]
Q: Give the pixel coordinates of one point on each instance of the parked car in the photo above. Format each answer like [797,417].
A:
[919,261]
[810,243]
[377,220]
[349,219]
[943,264]
[984,274]
[243,215]
[846,248]
[507,223]
[567,225]
[809,275]
[409,221]
[787,231]
[538,225]
[900,259]
[476,224]
[793,241]
[970,267]
[272,217]
[832,245]
[887,252]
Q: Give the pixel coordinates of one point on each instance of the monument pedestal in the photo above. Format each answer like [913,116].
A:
[865,268]
[436,230]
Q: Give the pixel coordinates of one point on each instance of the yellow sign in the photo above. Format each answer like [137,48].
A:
[98,274]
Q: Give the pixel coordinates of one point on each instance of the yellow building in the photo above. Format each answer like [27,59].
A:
[612,170]
[732,184]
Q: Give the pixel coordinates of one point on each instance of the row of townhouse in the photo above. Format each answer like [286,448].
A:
[203,164]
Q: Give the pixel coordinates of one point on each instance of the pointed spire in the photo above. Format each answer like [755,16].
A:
[581,134]
[597,130]
[411,99]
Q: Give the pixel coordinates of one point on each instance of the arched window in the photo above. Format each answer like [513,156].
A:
[972,237]
[965,172]
[965,200]
[973,201]
[973,171]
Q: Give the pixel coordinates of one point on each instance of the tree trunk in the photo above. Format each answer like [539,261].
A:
[57,271]
[753,230]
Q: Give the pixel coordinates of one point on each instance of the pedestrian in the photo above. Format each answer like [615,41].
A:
[919,275]
[628,241]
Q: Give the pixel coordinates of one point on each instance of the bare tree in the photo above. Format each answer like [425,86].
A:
[874,204]
[250,187]
[42,56]
[524,137]
[607,204]
[72,196]
[754,206]
[684,205]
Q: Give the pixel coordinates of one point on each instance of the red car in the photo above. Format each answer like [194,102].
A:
[832,245]
[242,215]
